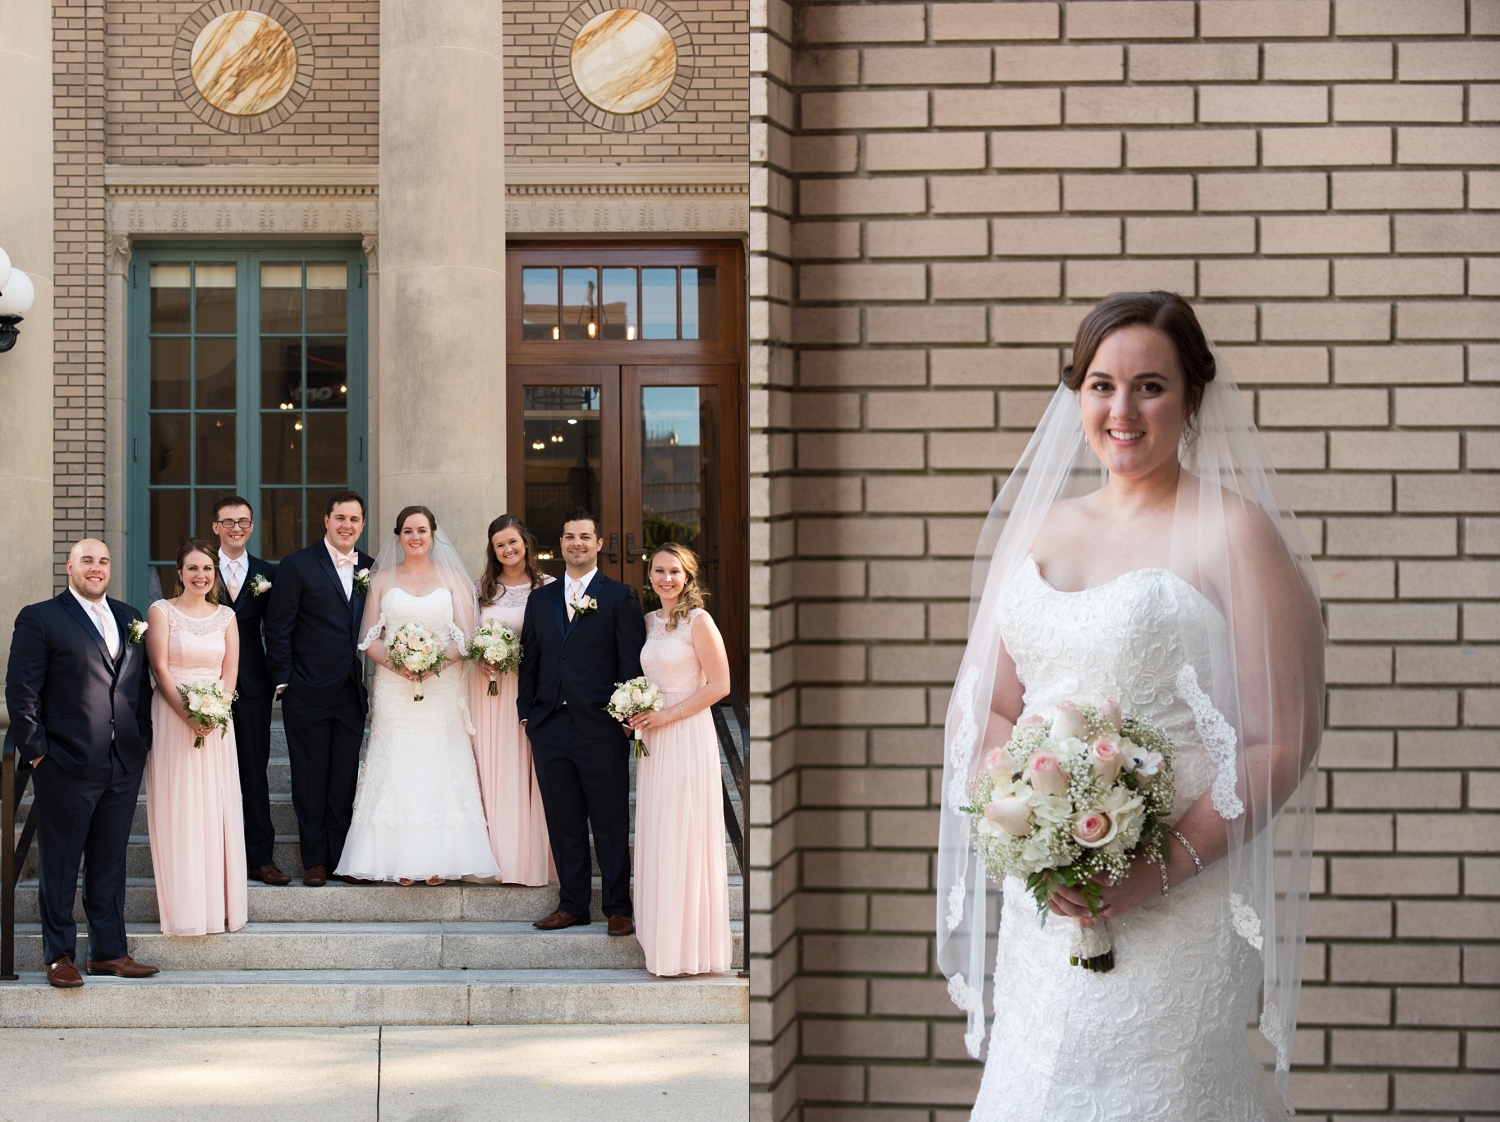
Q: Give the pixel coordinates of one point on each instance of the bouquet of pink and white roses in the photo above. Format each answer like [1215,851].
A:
[498,645]
[1072,800]
[414,647]
[209,704]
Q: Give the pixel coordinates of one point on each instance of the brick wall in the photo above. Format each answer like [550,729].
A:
[709,126]
[958,182]
[337,123]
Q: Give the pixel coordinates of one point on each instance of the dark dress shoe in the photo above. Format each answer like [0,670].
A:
[621,925]
[270,874]
[558,920]
[63,974]
[316,877]
[125,967]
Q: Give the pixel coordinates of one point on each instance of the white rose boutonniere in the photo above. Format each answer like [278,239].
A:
[583,605]
[259,586]
[362,582]
[137,630]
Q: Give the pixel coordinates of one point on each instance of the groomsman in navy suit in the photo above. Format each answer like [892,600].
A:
[247,584]
[79,696]
[312,653]
[581,635]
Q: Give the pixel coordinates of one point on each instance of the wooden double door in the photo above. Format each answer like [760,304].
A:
[649,433]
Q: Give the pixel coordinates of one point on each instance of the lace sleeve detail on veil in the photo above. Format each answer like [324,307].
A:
[971,1001]
[457,635]
[374,633]
[1218,737]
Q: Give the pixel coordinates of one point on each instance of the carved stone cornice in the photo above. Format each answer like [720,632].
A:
[327,216]
[641,215]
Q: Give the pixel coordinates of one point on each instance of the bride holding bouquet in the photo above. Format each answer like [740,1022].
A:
[1167,599]
[417,811]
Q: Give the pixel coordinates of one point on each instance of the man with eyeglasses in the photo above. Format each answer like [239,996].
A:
[247,587]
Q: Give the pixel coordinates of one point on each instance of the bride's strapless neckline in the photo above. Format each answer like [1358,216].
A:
[415,596]
[1176,578]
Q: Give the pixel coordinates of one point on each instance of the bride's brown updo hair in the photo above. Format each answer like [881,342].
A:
[209,550]
[408,511]
[692,595]
[1166,312]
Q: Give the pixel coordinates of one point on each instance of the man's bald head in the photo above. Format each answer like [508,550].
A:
[88,568]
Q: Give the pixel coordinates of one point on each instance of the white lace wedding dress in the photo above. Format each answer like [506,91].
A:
[1163,1035]
[417,812]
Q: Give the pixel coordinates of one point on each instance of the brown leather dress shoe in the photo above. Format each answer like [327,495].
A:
[269,874]
[126,967]
[558,920]
[63,974]
[621,925]
[316,877]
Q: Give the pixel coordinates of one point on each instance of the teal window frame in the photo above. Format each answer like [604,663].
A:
[248,411]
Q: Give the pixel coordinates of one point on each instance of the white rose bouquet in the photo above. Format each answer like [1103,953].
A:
[498,645]
[414,647]
[635,696]
[1072,800]
[208,704]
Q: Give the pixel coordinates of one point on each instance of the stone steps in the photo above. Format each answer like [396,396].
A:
[337,902]
[247,998]
[462,945]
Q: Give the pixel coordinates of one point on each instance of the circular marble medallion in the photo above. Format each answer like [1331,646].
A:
[244,63]
[623,61]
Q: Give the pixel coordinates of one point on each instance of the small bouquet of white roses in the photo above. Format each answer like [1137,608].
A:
[414,647]
[208,704]
[1070,800]
[635,696]
[498,645]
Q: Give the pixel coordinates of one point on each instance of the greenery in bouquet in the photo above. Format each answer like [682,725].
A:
[498,645]
[1073,800]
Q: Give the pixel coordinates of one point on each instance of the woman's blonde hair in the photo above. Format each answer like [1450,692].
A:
[692,595]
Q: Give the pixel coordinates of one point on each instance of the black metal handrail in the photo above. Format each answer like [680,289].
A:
[15,774]
[739,771]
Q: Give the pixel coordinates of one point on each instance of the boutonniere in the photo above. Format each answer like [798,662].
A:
[583,605]
[362,582]
[137,630]
[259,586]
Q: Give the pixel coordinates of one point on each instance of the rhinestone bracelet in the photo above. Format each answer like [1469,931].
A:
[1193,853]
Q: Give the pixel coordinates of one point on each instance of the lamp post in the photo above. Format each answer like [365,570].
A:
[16,296]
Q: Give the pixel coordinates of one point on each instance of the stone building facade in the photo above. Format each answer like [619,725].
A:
[940,191]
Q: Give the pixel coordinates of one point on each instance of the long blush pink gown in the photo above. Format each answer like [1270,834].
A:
[193,794]
[681,871]
[507,782]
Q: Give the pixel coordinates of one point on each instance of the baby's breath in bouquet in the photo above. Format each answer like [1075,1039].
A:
[1071,800]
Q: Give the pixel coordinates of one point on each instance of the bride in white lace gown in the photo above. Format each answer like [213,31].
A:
[1190,604]
[417,811]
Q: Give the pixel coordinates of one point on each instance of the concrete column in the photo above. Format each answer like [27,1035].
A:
[116,347]
[442,265]
[26,370]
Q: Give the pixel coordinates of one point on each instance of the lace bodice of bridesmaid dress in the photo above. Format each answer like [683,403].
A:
[668,658]
[509,607]
[195,647]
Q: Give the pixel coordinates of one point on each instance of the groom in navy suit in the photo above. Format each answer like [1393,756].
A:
[580,636]
[79,696]
[312,653]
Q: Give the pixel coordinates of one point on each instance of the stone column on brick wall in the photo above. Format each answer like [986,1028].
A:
[116,294]
[441,316]
[26,370]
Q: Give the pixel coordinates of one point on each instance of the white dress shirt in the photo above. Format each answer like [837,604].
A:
[576,585]
[343,564]
[234,570]
[104,621]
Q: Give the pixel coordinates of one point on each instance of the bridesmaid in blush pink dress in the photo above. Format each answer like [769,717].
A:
[507,783]
[193,794]
[681,871]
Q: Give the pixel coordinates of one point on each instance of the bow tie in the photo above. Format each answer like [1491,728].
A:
[346,562]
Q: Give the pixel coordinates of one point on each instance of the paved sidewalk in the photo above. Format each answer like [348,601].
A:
[448,1073]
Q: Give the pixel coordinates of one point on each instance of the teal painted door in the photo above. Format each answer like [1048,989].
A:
[247,376]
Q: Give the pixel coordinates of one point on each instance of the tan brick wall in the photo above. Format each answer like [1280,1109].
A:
[1323,180]
[148,123]
[710,126]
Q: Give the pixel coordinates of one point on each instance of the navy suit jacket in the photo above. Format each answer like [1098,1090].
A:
[579,662]
[68,699]
[250,613]
[312,632]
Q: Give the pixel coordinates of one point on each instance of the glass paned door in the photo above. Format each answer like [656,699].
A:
[246,376]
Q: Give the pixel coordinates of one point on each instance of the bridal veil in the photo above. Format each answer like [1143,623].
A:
[1260,715]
